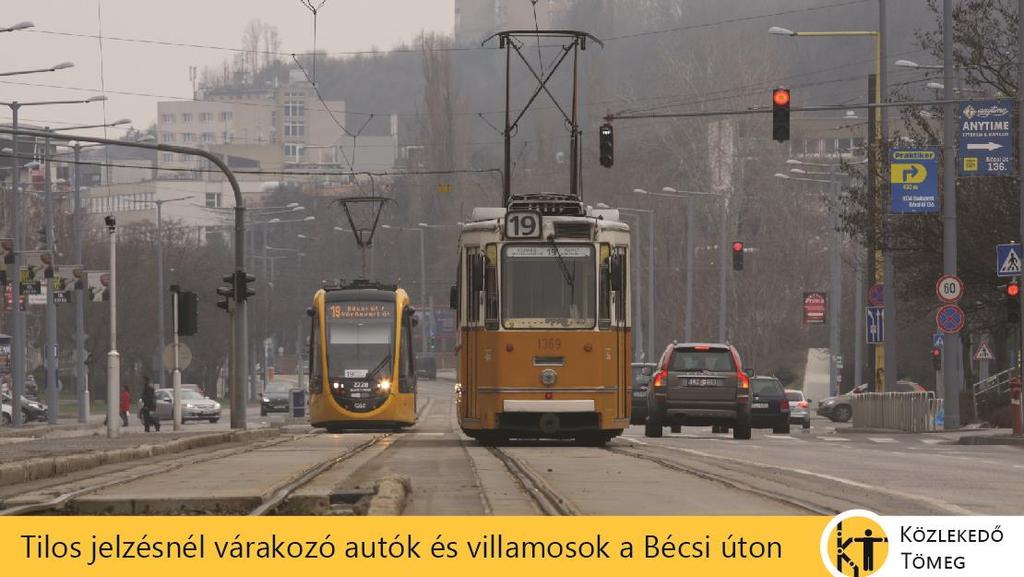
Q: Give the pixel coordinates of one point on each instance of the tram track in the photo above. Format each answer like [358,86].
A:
[727,481]
[547,499]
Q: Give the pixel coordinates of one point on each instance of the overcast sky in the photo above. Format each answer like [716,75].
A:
[155,72]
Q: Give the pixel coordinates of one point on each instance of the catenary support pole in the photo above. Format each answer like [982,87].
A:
[952,365]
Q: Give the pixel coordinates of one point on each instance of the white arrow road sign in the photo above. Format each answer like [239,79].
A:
[989,146]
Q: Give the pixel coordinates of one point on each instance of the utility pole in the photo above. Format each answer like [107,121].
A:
[81,385]
[18,349]
[888,266]
[952,366]
[688,313]
[50,349]
[113,358]
[1020,160]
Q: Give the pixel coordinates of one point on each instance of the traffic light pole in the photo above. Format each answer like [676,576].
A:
[176,375]
[952,369]
[1020,168]
[50,349]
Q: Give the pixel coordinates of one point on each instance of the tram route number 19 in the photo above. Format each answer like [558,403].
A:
[523,224]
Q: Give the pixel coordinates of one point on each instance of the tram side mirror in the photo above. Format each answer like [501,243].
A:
[749,372]
[453,297]
[309,312]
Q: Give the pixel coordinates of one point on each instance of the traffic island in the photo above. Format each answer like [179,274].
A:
[92,455]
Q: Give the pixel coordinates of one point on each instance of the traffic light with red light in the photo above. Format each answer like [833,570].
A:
[937,358]
[780,114]
[737,255]
[1012,302]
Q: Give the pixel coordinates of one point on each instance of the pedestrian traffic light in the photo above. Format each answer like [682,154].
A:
[242,290]
[780,114]
[226,294]
[737,255]
[937,358]
[1012,302]
[188,313]
[607,140]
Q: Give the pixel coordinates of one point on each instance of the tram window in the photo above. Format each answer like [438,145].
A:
[315,364]
[617,274]
[406,369]
[475,266]
[605,280]
[491,286]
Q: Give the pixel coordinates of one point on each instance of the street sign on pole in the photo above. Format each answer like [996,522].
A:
[949,288]
[950,319]
[814,308]
[986,138]
[1008,260]
[938,340]
[874,325]
[876,295]
[914,178]
[984,353]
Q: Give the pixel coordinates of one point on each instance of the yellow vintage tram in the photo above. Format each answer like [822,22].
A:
[361,372]
[544,327]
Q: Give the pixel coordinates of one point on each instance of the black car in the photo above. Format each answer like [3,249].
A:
[641,377]
[699,384]
[769,406]
[274,398]
[31,410]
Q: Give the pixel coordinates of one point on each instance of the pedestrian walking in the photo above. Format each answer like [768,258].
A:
[126,404]
[149,415]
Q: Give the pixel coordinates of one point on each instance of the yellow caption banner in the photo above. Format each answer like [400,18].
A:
[492,546]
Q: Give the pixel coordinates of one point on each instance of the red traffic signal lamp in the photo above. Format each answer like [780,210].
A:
[737,255]
[937,358]
[1012,302]
[780,114]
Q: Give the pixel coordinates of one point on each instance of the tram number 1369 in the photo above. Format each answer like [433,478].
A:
[523,224]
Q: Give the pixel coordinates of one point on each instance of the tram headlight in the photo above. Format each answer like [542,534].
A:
[384,385]
[337,386]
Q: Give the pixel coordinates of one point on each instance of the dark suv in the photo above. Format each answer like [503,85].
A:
[699,384]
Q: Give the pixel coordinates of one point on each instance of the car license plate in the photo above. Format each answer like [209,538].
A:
[759,406]
[701,382]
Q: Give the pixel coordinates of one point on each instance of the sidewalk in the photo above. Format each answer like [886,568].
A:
[27,458]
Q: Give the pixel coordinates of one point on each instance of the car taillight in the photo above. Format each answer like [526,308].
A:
[659,379]
[802,404]
[784,405]
[742,381]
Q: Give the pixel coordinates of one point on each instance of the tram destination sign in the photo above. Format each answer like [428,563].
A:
[361,310]
[548,251]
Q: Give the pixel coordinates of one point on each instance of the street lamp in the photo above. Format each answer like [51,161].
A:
[54,68]
[650,277]
[18,26]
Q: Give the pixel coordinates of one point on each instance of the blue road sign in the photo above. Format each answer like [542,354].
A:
[986,138]
[914,180]
[950,319]
[938,340]
[874,325]
[1008,260]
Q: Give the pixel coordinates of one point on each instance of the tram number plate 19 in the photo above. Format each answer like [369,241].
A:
[523,224]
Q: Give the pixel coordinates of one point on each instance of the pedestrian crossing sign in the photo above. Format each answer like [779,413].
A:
[1008,260]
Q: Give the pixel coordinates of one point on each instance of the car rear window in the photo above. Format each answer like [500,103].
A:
[795,396]
[766,386]
[702,360]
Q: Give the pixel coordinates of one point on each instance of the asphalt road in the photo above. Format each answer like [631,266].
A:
[823,470]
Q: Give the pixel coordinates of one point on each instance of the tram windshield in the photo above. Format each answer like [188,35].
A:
[360,339]
[548,286]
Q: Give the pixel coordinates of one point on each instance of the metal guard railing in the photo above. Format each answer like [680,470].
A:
[909,412]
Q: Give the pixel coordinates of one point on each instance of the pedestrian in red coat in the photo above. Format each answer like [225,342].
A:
[126,403]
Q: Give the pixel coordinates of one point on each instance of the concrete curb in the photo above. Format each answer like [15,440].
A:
[46,467]
[857,431]
[992,440]
[391,496]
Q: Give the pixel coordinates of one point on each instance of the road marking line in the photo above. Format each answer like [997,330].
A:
[882,439]
[834,439]
[950,507]
[932,441]
[431,434]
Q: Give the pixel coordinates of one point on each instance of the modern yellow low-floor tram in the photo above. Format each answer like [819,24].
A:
[544,322]
[361,370]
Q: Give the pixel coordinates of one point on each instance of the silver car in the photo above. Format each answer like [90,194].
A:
[799,408]
[194,406]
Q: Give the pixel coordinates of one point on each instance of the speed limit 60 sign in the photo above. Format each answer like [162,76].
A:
[949,288]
